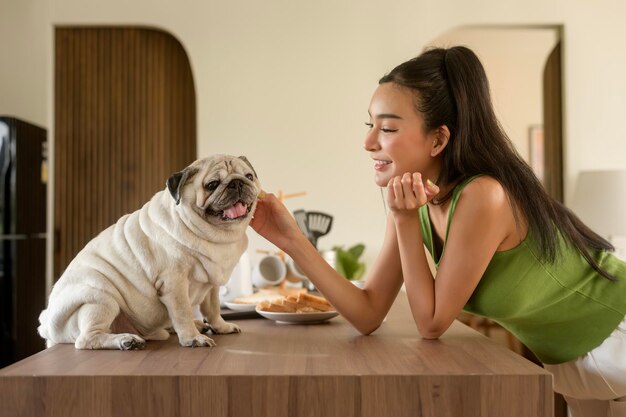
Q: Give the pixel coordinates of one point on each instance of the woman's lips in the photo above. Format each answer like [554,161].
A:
[380,165]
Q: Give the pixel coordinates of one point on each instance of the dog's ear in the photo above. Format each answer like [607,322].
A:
[244,159]
[176,182]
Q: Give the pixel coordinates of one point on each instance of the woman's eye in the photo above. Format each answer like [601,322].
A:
[250,177]
[212,185]
[382,129]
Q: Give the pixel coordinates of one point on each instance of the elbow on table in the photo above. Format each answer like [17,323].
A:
[430,332]
[430,336]
[368,328]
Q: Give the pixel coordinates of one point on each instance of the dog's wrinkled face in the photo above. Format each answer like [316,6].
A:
[221,188]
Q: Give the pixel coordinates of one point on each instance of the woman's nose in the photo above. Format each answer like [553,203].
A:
[371,141]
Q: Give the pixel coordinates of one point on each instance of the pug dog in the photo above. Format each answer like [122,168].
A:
[154,265]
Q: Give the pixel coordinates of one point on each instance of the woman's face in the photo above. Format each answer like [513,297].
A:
[396,139]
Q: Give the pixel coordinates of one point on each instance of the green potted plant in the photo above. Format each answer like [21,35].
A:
[347,261]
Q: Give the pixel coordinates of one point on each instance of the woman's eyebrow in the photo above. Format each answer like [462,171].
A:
[386,116]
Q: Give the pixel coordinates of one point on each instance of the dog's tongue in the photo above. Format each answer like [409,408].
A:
[235,211]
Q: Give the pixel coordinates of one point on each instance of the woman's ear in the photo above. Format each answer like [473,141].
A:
[440,138]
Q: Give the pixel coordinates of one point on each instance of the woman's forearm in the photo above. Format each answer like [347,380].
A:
[350,301]
[418,278]
[364,309]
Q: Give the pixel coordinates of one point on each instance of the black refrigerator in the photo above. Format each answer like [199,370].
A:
[23,182]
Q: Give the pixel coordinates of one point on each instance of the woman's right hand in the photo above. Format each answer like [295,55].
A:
[274,222]
[409,192]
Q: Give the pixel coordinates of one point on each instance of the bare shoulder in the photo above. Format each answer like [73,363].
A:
[484,205]
[486,193]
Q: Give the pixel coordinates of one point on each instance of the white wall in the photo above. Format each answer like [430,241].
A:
[288,83]
[23,60]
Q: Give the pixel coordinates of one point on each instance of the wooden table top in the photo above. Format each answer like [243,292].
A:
[286,370]
[268,348]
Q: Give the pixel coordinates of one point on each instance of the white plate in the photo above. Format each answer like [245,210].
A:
[240,306]
[298,318]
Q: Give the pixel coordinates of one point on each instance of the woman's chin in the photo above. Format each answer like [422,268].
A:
[381,180]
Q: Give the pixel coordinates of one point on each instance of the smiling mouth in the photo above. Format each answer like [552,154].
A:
[237,211]
[380,164]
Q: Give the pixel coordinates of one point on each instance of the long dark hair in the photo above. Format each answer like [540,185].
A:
[452,89]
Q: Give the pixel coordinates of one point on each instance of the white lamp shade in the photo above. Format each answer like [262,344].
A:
[600,201]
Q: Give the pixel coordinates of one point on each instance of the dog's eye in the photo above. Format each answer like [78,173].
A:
[212,185]
[250,177]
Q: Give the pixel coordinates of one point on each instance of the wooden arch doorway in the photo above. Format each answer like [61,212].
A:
[125,120]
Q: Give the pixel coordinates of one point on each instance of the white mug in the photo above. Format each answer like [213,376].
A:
[240,282]
[270,271]
[294,273]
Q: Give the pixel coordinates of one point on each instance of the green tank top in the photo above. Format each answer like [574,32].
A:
[559,311]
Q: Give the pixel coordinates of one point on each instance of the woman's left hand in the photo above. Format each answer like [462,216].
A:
[407,193]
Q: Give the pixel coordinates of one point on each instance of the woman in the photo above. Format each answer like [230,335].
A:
[503,248]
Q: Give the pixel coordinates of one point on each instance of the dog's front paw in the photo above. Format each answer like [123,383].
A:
[202,326]
[129,341]
[198,341]
[224,327]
